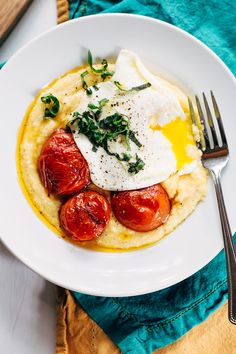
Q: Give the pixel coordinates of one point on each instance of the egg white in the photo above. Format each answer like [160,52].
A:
[157,104]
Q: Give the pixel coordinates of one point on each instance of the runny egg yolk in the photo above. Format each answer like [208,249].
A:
[179,134]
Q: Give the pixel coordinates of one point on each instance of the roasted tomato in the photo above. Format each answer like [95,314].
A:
[85,215]
[142,210]
[62,168]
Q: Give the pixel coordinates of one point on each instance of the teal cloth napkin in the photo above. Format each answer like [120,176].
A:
[141,324]
[211,21]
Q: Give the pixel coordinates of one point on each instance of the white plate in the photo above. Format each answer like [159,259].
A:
[165,49]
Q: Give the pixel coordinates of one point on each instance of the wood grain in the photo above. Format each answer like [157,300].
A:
[10,13]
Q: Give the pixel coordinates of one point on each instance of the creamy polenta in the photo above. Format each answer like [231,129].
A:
[185,191]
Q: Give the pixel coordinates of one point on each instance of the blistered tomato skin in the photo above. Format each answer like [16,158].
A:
[61,166]
[142,210]
[84,216]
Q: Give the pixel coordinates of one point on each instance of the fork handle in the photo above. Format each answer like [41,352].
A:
[229,247]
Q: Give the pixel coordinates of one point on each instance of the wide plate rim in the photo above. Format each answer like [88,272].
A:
[83,289]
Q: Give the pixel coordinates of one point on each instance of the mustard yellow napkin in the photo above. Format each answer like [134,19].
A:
[77,333]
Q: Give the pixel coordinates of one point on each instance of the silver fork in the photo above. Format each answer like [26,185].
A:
[215,156]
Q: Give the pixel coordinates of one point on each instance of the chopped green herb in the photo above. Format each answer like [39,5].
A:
[98,109]
[76,114]
[134,139]
[53,106]
[96,88]
[85,73]
[136,88]
[135,167]
[101,104]
[84,83]
[101,132]
[92,106]
[106,74]
[88,125]
[71,122]
[126,157]
[103,71]
[90,63]
[118,85]
[89,91]
[68,127]
[116,124]
[104,63]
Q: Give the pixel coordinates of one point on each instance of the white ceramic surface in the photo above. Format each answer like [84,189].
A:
[165,49]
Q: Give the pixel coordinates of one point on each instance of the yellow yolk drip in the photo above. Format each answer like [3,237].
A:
[179,134]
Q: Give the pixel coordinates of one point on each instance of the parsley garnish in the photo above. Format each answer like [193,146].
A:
[53,106]
[103,71]
[136,88]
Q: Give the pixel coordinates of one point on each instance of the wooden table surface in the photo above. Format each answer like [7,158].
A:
[10,12]
[27,301]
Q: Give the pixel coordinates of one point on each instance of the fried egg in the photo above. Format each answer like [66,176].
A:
[155,116]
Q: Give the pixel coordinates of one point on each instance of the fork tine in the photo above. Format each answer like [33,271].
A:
[210,121]
[193,117]
[192,113]
[197,123]
[203,122]
[219,120]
